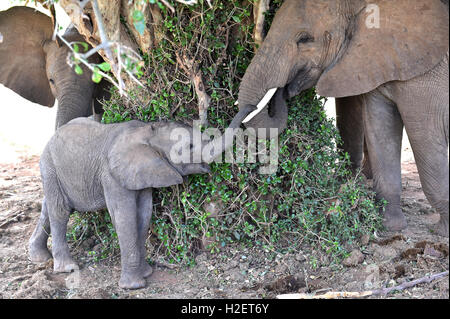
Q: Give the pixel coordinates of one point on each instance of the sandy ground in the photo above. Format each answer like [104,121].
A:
[235,273]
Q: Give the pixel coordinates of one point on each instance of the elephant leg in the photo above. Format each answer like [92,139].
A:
[383,129]
[427,123]
[366,167]
[97,111]
[101,92]
[122,205]
[144,210]
[37,246]
[59,217]
[351,128]
[433,167]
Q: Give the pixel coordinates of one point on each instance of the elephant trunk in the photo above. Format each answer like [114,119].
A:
[266,71]
[72,105]
[222,143]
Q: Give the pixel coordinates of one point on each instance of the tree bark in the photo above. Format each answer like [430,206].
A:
[259,9]
[87,24]
[194,73]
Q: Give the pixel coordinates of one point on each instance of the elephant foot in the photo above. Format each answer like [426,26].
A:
[394,220]
[441,228]
[147,270]
[65,265]
[131,281]
[39,254]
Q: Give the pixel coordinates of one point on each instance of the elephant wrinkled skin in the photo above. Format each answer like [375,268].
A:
[88,166]
[35,66]
[388,74]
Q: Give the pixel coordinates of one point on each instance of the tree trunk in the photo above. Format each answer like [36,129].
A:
[259,9]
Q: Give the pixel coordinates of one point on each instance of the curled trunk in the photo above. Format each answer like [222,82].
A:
[261,76]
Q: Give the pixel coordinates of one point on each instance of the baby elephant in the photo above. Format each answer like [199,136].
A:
[87,166]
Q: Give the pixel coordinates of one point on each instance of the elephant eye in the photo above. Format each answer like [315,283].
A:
[51,81]
[305,37]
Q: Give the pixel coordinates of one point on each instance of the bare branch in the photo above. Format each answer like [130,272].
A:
[193,71]
[378,292]
[86,63]
[101,29]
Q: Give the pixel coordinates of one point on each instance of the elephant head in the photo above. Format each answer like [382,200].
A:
[160,154]
[35,66]
[344,48]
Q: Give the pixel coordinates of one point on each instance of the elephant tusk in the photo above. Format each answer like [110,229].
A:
[261,105]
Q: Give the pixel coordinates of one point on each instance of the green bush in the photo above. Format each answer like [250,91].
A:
[311,199]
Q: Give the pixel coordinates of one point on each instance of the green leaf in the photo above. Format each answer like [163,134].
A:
[138,15]
[85,46]
[104,66]
[96,77]
[78,69]
[236,19]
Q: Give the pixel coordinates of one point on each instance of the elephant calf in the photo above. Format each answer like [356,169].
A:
[88,166]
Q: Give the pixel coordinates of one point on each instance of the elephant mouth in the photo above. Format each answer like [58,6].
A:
[269,103]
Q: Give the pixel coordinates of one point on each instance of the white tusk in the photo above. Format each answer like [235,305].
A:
[261,105]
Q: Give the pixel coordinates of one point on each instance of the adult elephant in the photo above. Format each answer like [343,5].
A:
[387,58]
[35,66]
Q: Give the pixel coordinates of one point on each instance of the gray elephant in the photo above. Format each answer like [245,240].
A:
[87,166]
[34,66]
[350,124]
[392,58]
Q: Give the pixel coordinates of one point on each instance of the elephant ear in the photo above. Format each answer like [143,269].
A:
[136,165]
[22,57]
[412,37]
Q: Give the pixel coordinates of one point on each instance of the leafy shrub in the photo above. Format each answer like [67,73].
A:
[311,199]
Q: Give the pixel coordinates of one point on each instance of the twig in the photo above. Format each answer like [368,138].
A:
[187,2]
[168,6]
[11,218]
[190,67]
[409,284]
[99,47]
[165,265]
[377,292]
[86,63]
[102,32]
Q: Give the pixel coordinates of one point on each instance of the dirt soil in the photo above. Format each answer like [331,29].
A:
[388,261]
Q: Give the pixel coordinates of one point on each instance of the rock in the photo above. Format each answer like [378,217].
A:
[385,252]
[433,252]
[282,269]
[214,208]
[300,257]
[365,239]
[201,258]
[356,257]
[372,280]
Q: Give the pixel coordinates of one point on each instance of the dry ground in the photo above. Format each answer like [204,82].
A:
[235,273]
